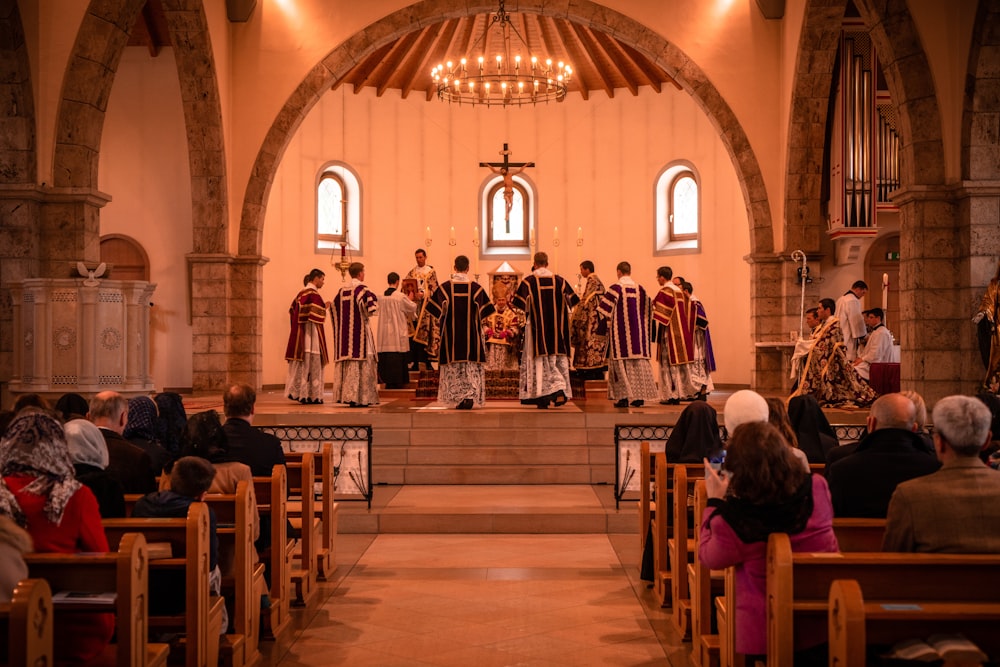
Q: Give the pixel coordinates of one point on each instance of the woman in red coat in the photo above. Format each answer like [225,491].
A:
[39,491]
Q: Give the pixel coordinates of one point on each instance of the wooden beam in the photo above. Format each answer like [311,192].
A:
[391,64]
[612,54]
[572,36]
[551,42]
[652,70]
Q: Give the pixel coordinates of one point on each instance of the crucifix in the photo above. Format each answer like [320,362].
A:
[504,169]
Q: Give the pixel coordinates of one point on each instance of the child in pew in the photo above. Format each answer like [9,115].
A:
[190,479]
[40,492]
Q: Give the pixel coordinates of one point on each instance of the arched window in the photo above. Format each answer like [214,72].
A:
[504,230]
[678,210]
[504,235]
[338,208]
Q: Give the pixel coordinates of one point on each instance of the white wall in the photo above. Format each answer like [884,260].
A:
[596,165]
[144,167]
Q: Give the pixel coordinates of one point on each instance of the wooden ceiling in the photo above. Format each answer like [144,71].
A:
[600,62]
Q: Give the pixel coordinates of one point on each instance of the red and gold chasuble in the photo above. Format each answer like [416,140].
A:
[673,313]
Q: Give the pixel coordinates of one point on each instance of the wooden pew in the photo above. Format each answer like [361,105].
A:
[26,625]
[326,509]
[854,623]
[682,544]
[188,541]
[647,503]
[302,517]
[242,574]
[798,584]
[124,572]
[705,585]
[663,485]
[853,535]
[272,498]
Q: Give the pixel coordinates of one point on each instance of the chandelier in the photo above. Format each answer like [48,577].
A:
[501,80]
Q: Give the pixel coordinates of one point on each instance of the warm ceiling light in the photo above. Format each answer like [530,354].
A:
[506,83]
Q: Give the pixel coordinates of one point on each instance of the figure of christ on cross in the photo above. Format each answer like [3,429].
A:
[507,170]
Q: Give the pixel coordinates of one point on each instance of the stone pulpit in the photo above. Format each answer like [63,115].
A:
[81,335]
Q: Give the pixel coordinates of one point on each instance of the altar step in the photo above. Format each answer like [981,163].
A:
[489,509]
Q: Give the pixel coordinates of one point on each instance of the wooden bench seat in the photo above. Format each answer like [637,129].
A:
[242,574]
[302,517]
[855,623]
[272,498]
[200,618]
[26,625]
[123,572]
[798,584]
[663,564]
[325,508]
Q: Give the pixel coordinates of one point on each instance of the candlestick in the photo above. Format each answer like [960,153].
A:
[885,298]
[427,241]
[451,237]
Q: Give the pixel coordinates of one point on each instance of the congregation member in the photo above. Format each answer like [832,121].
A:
[502,331]
[703,358]
[460,305]
[34,401]
[763,490]
[827,374]
[744,407]
[258,450]
[39,491]
[878,347]
[957,508]
[396,313]
[129,464]
[695,436]
[588,331]
[355,376]
[546,300]
[306,351]
[170,421]
[986,320]
[424,341]
[813,434]
[862,483]
[72,406]
[777,416]
[140,430]
[89,456]
[674,338]
[191,478]
[852,321]
[14,543]
[626,308]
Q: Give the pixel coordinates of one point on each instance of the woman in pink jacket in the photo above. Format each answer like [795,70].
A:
[763,490]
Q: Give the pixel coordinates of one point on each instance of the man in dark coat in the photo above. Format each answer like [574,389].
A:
[129,464]
[261,451]
[862,483]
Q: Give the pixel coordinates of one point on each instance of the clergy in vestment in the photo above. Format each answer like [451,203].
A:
[306,351]
[674,318]
[395,317]
[703,363]
[851,319]
[502,331]
[546,300]
[460,304]
[425,341]
[827,374]
[588,332]
[355,379]
[626,308]
[878,348]
[988,321]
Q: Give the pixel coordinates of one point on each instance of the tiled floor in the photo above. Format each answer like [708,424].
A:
[486,600]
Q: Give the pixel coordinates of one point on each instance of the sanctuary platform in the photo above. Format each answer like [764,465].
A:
[503,468]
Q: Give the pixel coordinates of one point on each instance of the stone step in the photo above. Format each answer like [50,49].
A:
[489,509]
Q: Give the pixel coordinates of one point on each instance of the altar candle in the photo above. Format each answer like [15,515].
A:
[475,250]
[451,236]
[428,232]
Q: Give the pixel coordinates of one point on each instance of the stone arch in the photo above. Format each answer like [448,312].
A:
[686,72]
[18,160]
[981,113]
[102,38]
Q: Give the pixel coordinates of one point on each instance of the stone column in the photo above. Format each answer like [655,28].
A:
[767,316]
[246,320]
[210,320]
[936,334]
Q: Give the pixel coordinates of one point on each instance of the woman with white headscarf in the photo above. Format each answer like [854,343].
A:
[89,454]
[39,490]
